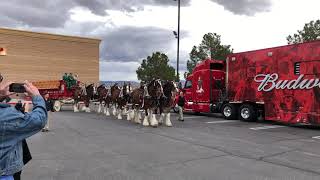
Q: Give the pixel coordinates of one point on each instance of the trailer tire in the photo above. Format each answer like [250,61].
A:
[247,113]
[57,106]
[229,111]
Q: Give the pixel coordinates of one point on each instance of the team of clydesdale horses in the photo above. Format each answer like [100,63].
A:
[152,97]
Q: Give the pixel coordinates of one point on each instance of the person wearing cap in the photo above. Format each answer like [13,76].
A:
[15,127]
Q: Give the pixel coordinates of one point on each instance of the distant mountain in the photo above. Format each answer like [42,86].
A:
[133,83]
[111,83]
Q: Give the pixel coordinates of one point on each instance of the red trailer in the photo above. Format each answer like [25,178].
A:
[57,90]
[279,84]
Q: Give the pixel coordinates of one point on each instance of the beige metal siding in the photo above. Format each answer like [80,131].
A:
[39,56]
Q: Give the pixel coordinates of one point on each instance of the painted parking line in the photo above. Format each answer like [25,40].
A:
[266,127]
[191,117]
[311,154]
[220,122]
[316,137]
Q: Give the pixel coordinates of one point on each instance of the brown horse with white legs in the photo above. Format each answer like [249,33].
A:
[84,94]
[136,100]
[167,102]
[115,94]
[152,102]
[102,93]
[123,100]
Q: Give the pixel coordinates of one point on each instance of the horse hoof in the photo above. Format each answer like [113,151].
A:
[155,126]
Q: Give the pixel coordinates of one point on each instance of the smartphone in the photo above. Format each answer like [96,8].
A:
[17,88]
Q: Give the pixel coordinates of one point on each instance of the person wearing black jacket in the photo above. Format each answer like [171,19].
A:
[49,106]
[181,102]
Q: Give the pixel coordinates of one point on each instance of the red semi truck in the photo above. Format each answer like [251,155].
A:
[279,84]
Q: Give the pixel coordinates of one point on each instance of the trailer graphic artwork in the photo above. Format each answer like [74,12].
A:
[199,86]
[270,81]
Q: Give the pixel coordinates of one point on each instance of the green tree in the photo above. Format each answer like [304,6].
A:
[210,47]
[310,32]
[156,66]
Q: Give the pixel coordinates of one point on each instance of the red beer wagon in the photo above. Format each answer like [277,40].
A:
[57,90]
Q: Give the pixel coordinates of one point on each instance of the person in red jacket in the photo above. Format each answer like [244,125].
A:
[181,101]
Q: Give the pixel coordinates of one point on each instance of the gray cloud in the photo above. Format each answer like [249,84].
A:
[245,7]
[98,6]
[128,44]
[39,13]
[123,47]
[35,13]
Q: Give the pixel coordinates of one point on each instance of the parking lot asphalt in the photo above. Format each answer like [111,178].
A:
[90,146]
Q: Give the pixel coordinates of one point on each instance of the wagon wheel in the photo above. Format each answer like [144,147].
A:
[57,106]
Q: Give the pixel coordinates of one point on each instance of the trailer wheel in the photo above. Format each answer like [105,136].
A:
[57,106]
[247,113]
[229,111]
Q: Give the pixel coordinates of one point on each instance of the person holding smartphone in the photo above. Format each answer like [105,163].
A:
[15,127]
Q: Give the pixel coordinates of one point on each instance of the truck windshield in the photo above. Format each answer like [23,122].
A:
[188,84]
[216,66]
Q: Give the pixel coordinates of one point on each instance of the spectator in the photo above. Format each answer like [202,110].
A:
[181,102]
[25,149]
[15,127]
[49,106]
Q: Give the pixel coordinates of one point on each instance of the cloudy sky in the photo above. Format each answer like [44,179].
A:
[133,29]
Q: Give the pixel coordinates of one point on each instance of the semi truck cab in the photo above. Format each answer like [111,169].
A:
[205,87]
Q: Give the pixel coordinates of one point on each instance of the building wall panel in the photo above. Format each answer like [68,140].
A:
[40,56]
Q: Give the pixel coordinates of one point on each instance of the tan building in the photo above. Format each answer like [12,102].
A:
[35,56]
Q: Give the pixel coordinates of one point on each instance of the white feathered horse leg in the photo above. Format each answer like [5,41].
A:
[146,119]
[153,120]
[161,118]
[99,108]
[136,116]
[83,108]
[124,112]
[114,110]
[75,107]
[107,111]
[119,111]
[129,115]
[87,109]
[167,120]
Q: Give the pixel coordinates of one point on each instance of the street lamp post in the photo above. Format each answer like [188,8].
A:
[178,38]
